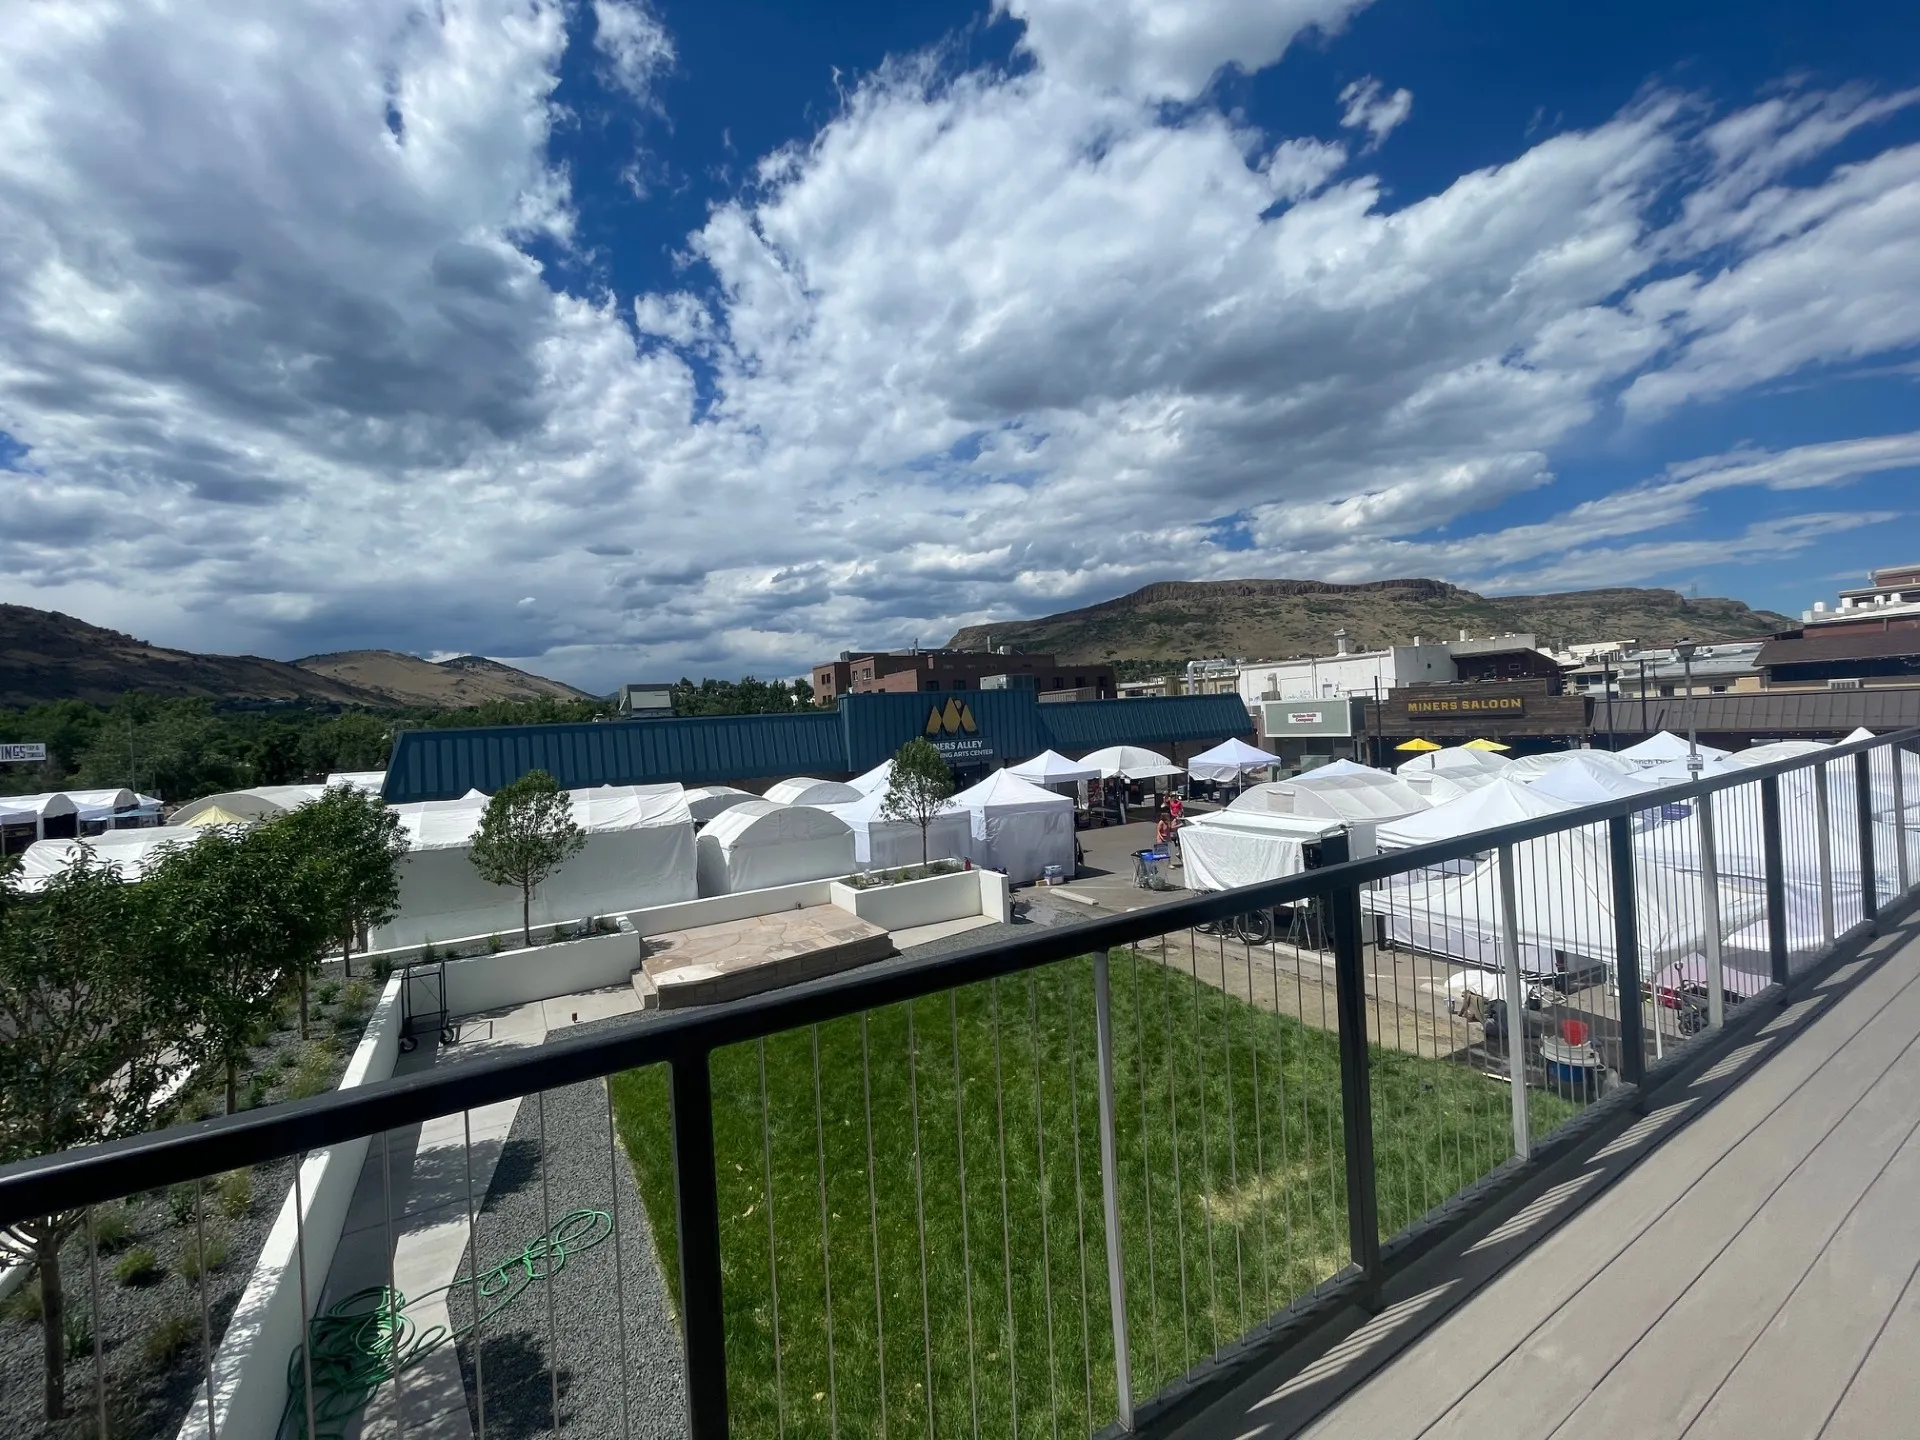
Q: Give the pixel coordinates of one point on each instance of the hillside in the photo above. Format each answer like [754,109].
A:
[440,685]
[45,655]
[1277,619]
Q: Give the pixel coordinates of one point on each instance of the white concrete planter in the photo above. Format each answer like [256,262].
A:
[514,977]
[912,903]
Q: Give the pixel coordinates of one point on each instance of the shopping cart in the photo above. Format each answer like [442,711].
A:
[1149,870]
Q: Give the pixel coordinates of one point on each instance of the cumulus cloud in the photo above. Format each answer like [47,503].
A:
[635,45]
[290,378]
[1367,107]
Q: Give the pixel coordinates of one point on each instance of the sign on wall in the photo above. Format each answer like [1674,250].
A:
[954,732]
[1294,718]
[22,753]
[1470,705]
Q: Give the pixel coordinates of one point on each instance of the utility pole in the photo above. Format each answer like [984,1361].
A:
[1606,679]
[1646,727]
[132,774]
[1685,651]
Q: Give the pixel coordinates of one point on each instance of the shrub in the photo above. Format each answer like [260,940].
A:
[78,1328]
[325,991]
[167,1339]
[194,1262]
[429,955]
[182,1201]
[138,1267]
[256,1095]
[382,969]
[25,1305]
[235,1192]
[357,996]
[310,1079]
[495,944]
[112,1229]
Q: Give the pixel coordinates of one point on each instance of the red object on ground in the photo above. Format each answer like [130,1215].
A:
[1574,1032]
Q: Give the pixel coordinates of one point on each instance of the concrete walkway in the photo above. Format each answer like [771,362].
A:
[1755,1277]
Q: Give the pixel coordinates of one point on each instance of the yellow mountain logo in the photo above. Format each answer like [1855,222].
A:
[952,720]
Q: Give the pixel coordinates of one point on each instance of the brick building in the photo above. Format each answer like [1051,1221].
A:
[894,672]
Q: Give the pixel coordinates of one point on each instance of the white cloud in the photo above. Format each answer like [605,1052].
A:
[985,344]
[1369,108]
[634,43]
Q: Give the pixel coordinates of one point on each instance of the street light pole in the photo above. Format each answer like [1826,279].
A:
[1685,651]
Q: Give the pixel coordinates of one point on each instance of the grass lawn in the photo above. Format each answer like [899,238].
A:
[991,1268]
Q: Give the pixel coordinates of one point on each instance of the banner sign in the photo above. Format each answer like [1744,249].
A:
[956,735]
[11,753]
[1469,705]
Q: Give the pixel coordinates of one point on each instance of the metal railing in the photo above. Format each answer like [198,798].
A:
[1033,1187]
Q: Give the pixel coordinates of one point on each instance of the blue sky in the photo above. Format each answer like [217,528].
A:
[618,338]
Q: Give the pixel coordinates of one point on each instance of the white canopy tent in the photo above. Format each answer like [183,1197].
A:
[1583,780]
[1860,734]
[1443,789]
[1500,802]
[761,843]
[639,853]
[260,803]
[1454,761]
[710,800]
[1050,767]
[1225,850]
[373,782]
[1778,750]
[1340,791]
[805,790]
[1017,827]
[38,810]
[1531,767]
[884,844]
[877,778]
[1675,772]
[1230,760]
[1666,746]
[1130,762]
[132,852]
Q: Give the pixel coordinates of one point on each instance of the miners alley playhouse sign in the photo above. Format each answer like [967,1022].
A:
[955,734]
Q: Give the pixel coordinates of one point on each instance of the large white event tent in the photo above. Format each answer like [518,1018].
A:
[132,852]
[1583,780]
[710,800]
[1454,761]
[1017,827]
[373,782]
[877,778]
[1130,762]
[39,810]
[260,803]
[1227,849]
[1500,802]
[1342,790]
[805,790]
[884,843]
[1050,767]
[1230,760]
[639,853]
[761,843]
[1778,750]
[1531,767]
[1664,746]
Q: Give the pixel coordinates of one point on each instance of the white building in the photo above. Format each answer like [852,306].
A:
[1346,674]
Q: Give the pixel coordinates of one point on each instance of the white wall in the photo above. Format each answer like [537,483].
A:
[912,903]
[1346,675]
[250,1367]
[514,977]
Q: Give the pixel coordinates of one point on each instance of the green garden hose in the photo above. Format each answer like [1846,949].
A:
[368,1338]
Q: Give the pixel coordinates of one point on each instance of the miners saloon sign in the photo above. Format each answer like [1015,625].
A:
[1470,705]
[953,731]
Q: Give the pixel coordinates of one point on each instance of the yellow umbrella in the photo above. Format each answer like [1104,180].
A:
[1419,744]
[1485,745]
[214,815]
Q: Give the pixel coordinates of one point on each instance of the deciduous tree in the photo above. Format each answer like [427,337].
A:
[527,833]
[918,787]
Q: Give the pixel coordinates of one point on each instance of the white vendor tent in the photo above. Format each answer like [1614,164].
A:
[1130,762]
[1860,734]
[1454,761]
[54,810]
[1532,767]
[805,790]
[710,800]
[1583,780]
[883,844]
[1675,772]
[1018,828]
[760,844]
[877,778]
[131,852]
[260,803]
[639,853]
[1501,802]
[1666,746]
[1050,767]
[1225,850]
[1230,760]
[1340,791]
[1778,750]
[371,781]
[103,804]
[1443,789]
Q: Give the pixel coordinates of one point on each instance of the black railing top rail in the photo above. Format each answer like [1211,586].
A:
[102,1172]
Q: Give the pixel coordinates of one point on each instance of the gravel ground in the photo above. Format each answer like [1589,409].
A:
[582,1309]
[151,1383]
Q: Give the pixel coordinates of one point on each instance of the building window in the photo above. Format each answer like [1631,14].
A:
[1719,690]
[1666,692]
[1059,682]
[1079,682]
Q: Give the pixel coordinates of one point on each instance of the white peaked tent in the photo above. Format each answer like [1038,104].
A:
[103,804]
[1778,750]
[260,803]
[1861,734]
[1050,767]
[1455,761]
[1130,762]
[1666,746]
[1443,789]
[1018,828]
[1583,780]
[760,844]
[1675,772]
[884,843]
[1340,791]
[1226,850]
[131,852]
[1500,802]
[1531,767]
[639,853]
[877,778]
[1230,760]
[805,790]
[373,782]
[38,810]
[705,803]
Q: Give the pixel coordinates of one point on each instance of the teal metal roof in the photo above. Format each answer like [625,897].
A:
[1007,725]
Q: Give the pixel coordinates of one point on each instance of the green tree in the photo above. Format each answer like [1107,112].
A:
[242,909]
[276,755]
[918,787]
[353,741]
[93,1012]
[527,833]
[355,843]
